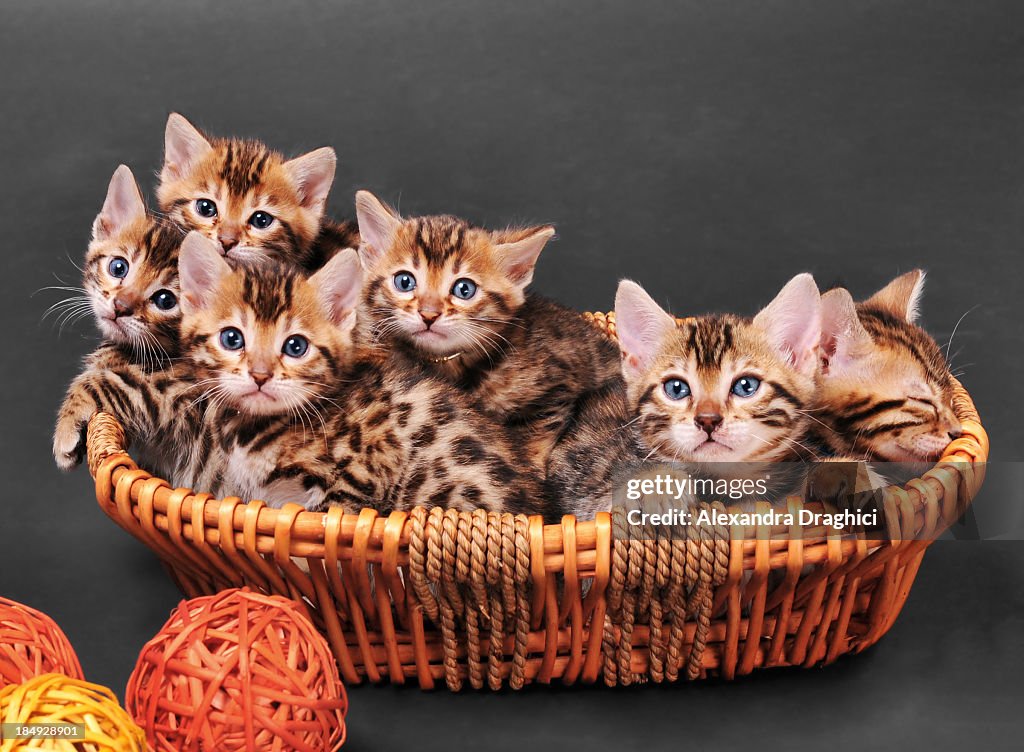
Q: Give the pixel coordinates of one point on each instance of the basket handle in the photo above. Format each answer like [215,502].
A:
[104,438]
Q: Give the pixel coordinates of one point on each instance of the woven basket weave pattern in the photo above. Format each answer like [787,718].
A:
[491,599]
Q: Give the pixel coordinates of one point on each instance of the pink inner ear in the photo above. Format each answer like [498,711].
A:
[122,206]
[377,225]
[339,285]
[843,338]
[799,337]
[183,144]
[641,324]
[792,322]
[519,258]
[313,174]
[201,269]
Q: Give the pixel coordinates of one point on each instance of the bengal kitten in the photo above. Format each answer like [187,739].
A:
[130,281]
[885,391]
[452,298]
[709,390]
[249,199]
[300,416]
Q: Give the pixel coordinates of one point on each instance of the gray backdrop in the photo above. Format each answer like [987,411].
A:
[708,150]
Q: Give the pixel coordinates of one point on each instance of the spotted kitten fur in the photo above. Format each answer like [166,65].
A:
[130,281]
[299,415]
[885,391]
[708,390]
[452,298]
[249,199]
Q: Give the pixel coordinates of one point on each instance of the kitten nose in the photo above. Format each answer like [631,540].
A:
[429,317]
[228,242]
[708,422]
[260,377]
[122,307]
[955,433]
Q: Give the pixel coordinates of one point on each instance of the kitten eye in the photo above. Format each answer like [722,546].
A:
[165,300]
[118,268]
[745,386]
[464,289]
[295,346]
[231,339]
[405,282]
[206,208]
[676,389]
[261,220]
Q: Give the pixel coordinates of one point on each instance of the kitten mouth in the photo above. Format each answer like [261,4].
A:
[245,253]
[116,325]
[258,402]
[916,454]
[429,335]
[438,344]
[712,446]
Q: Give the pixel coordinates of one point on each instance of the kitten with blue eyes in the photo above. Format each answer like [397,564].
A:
[130,281]
[300,414]
[705,391]
[452,298]
[255,204]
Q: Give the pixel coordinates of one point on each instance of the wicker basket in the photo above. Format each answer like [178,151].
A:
[433,596]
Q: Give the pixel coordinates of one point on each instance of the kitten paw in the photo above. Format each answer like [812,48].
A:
[842,482]
[69,445]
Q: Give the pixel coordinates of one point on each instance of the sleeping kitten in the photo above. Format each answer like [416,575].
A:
[704,391]
[131,281]
[452,298]
[885,392]
[249,199]
[301,417]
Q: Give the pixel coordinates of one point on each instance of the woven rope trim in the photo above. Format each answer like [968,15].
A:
[470,573]
[661,582]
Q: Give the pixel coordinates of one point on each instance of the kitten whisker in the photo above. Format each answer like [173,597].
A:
[957,326]
[816,420]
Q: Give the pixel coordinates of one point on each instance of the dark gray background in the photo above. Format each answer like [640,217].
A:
[708,150]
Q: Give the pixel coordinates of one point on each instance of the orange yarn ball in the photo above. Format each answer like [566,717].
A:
[31,644]
[53,700]
[238,671]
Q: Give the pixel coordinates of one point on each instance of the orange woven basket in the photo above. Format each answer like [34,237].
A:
[432,596]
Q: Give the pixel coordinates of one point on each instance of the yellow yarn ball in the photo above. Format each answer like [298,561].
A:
[57,699]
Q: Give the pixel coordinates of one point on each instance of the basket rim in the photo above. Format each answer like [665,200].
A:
[910,507]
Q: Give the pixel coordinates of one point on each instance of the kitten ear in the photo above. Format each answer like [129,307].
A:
[201,270]
[183,146]
[313,174]
[122,206]
[519,258]
[338,285]
[901,296]
[793,322]
[843,338]
[642,326]
[378,225]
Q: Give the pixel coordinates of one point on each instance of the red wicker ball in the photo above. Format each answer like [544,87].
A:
[31,644]
[238,671]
